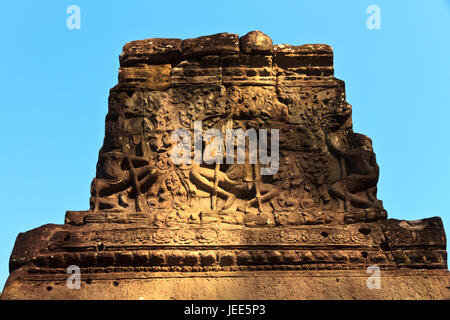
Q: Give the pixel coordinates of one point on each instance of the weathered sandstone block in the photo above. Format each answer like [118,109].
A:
[161,229]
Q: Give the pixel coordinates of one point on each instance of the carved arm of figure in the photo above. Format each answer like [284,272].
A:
[140,161]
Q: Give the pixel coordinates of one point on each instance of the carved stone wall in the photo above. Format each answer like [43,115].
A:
[327,173]
[158,229]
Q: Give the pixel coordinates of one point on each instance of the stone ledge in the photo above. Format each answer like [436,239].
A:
[392,243]
[291,285]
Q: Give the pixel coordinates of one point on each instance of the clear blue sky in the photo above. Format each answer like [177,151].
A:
[55,83]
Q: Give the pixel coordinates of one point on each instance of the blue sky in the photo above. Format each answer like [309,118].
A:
[55,84]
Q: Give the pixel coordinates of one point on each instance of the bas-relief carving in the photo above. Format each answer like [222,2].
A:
[318,211]
[327,173]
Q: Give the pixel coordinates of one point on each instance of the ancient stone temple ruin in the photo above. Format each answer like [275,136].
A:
[294,215]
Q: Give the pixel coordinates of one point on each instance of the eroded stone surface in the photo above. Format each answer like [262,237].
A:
[167,226]
[156,50]
[256,42]
[327,173]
